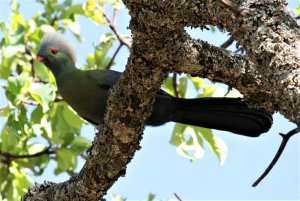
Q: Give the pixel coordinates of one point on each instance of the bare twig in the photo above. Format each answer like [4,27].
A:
[113,27]
[228,42]
[8,157]
[175,85]
[285,139]
[115,17]
[178,197]
[114,56]
[232,7]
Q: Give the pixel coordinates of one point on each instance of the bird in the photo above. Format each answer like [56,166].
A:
[86,91]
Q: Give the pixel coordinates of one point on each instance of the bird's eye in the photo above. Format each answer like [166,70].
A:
[53,50]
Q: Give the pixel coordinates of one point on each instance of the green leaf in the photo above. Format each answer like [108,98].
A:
[197,82]
[7,65]
[212,91]
[35,148]
[191,148]
[22,182]
[65,160]
[62,132]
[14,5]
[151,197]
[37,114]
[8,140]
[93,11]
[18,36]
[73,26]
[177,136]
[182,87]
[297,10]
[16,87]
[90,58]
[44,95]
[80,144]
[75,9]
[189,142]
[41,72]
[12,50]
[168,86]
[47,28]
[216,144]
[72,118]
[5,111]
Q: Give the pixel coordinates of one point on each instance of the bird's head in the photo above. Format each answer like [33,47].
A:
[56,52]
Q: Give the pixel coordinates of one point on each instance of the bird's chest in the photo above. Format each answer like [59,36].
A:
[85,97]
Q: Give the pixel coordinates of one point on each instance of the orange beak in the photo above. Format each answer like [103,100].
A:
[40,59]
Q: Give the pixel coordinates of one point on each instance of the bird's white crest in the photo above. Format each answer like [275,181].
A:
[57,40]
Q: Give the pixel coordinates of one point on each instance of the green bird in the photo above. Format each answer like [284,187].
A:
[87,93]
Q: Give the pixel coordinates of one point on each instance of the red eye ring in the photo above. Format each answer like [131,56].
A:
[53,50]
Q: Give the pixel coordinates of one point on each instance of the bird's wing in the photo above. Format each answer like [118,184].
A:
[104,78]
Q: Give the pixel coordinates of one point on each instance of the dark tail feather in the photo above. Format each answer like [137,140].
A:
[229,114]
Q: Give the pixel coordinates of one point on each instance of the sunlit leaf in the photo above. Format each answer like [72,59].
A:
[44,95]
[297,10]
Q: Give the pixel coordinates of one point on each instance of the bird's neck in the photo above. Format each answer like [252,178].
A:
[62,68]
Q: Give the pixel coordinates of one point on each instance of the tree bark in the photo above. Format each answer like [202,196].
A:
[267,75]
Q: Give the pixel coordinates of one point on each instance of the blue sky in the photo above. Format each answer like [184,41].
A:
[158,169]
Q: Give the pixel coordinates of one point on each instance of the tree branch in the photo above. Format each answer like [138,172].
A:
[174,80]
[114,56]
[228,42]
[8,157]
[285,139]
[231,6]
[112,25]
[178,197]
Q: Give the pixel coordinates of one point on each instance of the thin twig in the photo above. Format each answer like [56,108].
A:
[232,7]
[175,85]
[178,197]
[113,27]
[285,139]
[8,157]
[115,16]
[114,56]
[228,42]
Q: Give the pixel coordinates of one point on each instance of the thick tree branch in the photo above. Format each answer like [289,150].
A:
[119,136]
[232,6]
